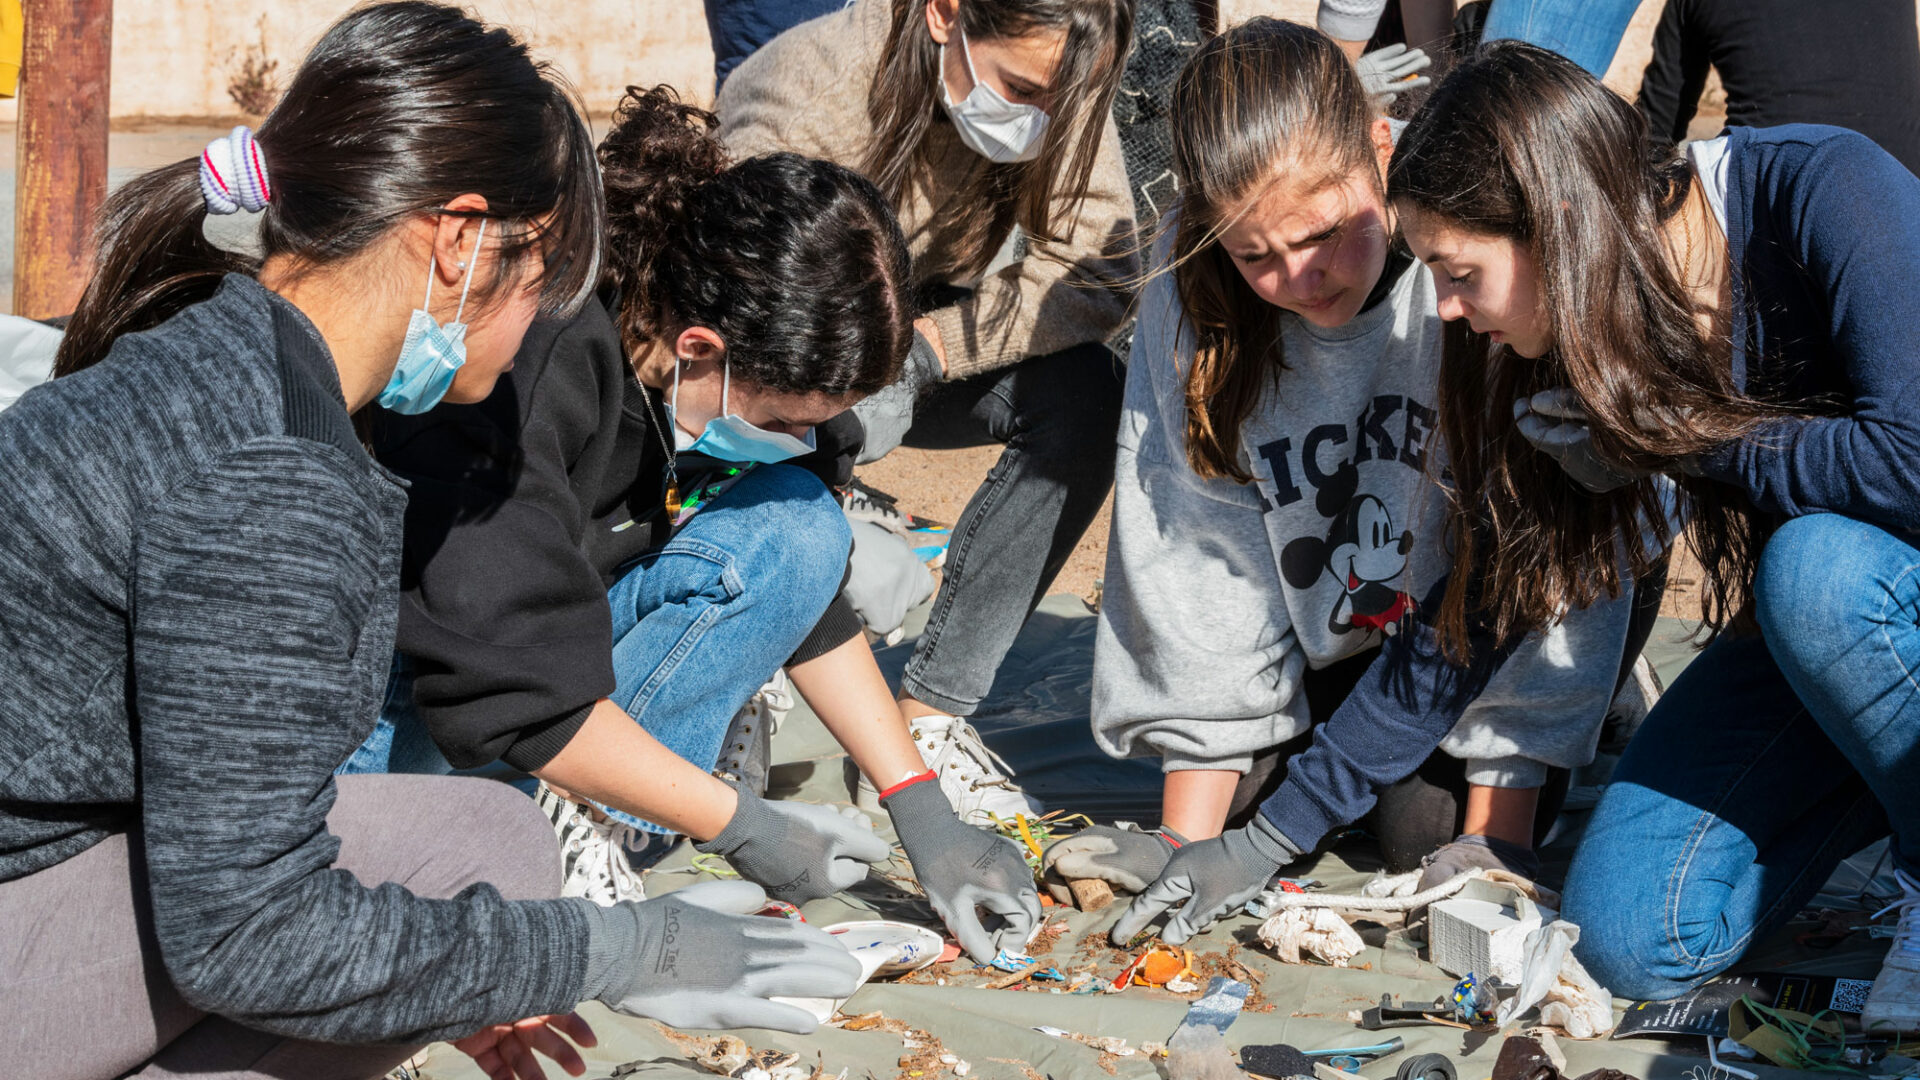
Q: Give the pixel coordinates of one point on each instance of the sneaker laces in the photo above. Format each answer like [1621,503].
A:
[776,698]
[1906,934]
[581,828]
[972,759]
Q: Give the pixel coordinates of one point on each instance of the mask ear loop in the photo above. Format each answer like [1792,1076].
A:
[472,264]
[726,381]
[967,55]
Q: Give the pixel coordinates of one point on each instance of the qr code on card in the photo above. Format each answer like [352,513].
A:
[1850,995]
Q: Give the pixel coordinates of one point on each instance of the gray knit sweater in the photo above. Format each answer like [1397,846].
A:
[198,585]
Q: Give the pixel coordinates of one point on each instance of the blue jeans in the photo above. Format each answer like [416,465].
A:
[698,625]
[1768,761]
[1586,32]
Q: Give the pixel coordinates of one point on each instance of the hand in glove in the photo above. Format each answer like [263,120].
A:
[963,868]
[1471,851]
[1556,425]
[698,958]
[1215,877]
[799,851]
[1120,857]
[886,416]
[1383,72]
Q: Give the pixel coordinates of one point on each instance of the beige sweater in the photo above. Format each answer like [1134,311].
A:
[806,91]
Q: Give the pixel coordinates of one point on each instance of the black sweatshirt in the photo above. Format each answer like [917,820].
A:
[523,510]
[198,570]
[1853,65]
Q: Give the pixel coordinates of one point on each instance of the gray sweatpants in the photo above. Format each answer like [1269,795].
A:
[83,989]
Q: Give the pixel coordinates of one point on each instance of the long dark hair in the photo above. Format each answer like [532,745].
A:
[798,264]
[1523,144]
[1042,196]
[399,108]
[1263,100]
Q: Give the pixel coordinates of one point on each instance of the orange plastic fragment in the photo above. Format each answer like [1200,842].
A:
[1161,965]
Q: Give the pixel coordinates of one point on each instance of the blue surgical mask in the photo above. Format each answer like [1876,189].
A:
[728,437]
[990,125]
[430,355]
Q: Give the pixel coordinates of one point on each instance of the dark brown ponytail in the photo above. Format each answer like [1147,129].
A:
[399,108]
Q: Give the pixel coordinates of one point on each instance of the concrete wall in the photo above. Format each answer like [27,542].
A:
[172,58]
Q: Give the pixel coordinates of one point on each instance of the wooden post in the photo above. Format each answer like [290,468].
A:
[61,175]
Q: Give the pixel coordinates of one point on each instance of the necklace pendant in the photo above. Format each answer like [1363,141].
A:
[673,496]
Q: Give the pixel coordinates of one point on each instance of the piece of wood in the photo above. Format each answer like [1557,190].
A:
[1012,979]
[1090,894]
[61,148]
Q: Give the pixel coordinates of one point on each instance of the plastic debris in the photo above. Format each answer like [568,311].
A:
[1010,961]
[1197,1050]
[1106,1044]
[728,1054]
[1182,986]
[908,947]
[1202,1055]
[1316,932]
[1568,997]
[1474,1002]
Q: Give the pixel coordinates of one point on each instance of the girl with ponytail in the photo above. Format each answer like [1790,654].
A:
[199,566]
[660,458]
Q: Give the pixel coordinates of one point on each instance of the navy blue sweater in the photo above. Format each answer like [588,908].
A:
[1823,231]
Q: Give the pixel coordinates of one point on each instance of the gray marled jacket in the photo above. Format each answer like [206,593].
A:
[198,586]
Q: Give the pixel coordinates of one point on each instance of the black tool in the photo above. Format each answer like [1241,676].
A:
[1426,1067]
[1276,1060]
[1387,1014]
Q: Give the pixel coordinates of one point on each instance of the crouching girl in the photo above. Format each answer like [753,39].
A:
[613,553]
[1757,342]
[1277,521]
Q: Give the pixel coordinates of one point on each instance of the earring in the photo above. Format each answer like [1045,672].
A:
[460,265]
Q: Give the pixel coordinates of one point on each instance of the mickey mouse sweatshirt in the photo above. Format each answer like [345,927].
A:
[1219,596]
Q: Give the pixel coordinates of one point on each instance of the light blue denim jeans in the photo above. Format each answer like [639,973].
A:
[1768,761]
[698,624]
[1586,32]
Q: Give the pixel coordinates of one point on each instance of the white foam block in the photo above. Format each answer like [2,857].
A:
[1483,929]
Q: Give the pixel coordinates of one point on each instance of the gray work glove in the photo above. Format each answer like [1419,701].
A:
[799,851]
[963,868]
[886,416]
[1471,851]
[1384,72]
[1219,875]
[1120,857]
[698,958]
[1556,425]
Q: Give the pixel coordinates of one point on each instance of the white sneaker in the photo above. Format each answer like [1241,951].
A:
[974,779]
[1893,1005]
[593,851]
[747,753]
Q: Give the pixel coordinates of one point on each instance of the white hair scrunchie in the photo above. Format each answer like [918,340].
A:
[233,174]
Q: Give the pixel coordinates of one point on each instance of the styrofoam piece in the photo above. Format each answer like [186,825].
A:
[1483,928]
[909,947]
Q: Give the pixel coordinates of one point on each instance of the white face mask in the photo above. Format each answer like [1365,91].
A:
[989,124]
